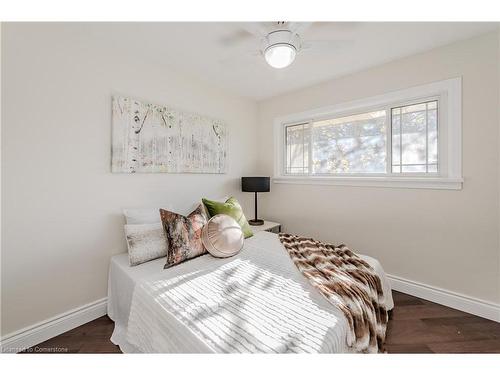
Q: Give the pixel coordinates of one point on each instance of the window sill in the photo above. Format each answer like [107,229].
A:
[440,183]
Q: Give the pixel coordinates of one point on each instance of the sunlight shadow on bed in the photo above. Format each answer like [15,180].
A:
[242,306]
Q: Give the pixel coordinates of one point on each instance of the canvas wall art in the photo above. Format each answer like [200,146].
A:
[150,138]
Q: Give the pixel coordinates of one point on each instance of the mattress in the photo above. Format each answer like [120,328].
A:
[122,280]
[256,301]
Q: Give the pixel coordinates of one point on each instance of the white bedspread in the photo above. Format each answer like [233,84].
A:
[256,301]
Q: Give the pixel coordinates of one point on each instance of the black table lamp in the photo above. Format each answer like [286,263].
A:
[255,185]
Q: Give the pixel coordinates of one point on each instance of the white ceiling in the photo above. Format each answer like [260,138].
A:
[209,51]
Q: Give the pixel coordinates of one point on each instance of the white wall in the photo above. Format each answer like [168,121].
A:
[61,205]
[447,239]
[1,228]
[498,89]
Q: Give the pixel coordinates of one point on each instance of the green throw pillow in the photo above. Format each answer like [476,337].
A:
[231,208]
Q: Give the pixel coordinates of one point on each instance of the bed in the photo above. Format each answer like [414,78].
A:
[254,302]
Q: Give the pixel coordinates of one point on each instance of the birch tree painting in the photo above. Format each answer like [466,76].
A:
[155,139]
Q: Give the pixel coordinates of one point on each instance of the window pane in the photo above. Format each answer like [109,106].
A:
[414,138]
[413,168]
[297,149]
[432,136]
[432,168]
[351,144]
[396,140]
[414,108]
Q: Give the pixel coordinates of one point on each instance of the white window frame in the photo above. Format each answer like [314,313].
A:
[448,93]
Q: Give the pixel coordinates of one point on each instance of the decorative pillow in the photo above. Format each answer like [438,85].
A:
[222,236]
[145,242]
[141,215]
[232,208]
[192,207]
[183,234]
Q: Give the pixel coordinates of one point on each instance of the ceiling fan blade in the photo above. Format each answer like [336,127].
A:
[257,29]
[245,32]
[240,58]
[325,45]
[238,37]
[299,27]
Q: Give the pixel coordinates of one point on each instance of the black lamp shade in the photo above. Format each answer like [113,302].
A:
[255,184]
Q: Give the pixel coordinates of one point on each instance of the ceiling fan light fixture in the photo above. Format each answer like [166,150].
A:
[280,47]
[280,55]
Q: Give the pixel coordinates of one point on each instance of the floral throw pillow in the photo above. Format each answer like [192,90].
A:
[183,234]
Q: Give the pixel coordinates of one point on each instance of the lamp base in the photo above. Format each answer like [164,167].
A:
[256,222]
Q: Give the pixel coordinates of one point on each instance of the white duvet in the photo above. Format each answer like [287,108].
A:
[255,302]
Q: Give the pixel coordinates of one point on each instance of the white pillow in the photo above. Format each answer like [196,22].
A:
[222,236]
[145,242]
[142,215]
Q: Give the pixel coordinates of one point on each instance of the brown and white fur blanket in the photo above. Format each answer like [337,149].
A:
[349,283]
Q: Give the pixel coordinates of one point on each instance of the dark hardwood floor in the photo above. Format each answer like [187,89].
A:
[417,326]
[420,326]
[92,337]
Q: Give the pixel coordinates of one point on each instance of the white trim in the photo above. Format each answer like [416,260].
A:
[391,182]
[42,331]
[449,95]
[471,305]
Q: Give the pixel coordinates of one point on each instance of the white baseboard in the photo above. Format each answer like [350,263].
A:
[475,306]
[40,332]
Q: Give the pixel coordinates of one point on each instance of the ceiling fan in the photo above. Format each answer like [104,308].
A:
[280,42]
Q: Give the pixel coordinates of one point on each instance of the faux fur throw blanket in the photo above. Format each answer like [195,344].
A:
[349,283]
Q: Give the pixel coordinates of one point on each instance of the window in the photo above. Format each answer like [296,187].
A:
[409,138]
[351,144]
[414,138]
[297,148]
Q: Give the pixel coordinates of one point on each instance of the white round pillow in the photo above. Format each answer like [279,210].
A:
[222,236]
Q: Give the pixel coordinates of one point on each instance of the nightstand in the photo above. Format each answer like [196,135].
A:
[268,226]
